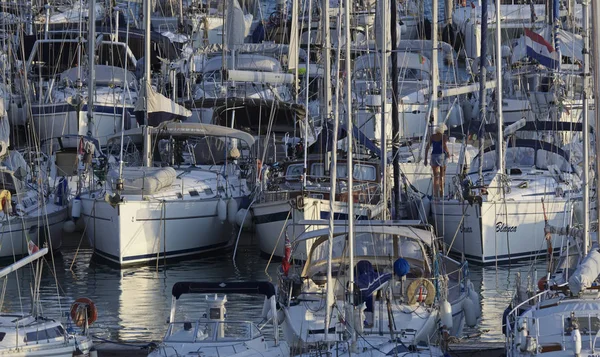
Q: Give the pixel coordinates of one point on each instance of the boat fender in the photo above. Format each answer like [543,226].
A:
[5,201]
[243,218]
[266,308]
[83,309]
[522,334]
[576,341]
[222,210]
[76,208]
[69,226]
[474,296]
[446,314]
[415,289]
[232,209]
[468,307]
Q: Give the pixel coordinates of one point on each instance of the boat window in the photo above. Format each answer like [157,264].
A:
[47,334]
[369,245]
[234,331]
[547,158]
[294,171]
[180,332]
[519,156]
[2,334]
[364,172]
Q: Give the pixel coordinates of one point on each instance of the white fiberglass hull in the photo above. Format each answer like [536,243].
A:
[45,228]
[303,326]
[138,231]
[56,120]
[499,232]
[66,349]
[271,219]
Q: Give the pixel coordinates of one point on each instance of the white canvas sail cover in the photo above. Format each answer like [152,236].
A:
[143,180]
[235,24]
[160,108]
[4,130]
[586,273]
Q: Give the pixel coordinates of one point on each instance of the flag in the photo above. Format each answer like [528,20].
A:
[421,59]
[541,50]
[285,264]
[31,247]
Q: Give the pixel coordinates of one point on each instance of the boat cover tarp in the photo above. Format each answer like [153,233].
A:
[160,108]
[586,273]
[143,180]
[249,287]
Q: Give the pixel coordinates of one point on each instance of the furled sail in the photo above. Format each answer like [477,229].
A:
[160,108]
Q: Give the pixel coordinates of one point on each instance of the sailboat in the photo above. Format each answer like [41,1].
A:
[166,203]
[511,189]
[34,335]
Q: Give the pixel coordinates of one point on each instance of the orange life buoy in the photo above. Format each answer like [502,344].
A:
[82,309]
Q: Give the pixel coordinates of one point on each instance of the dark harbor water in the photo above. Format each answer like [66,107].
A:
[134,304]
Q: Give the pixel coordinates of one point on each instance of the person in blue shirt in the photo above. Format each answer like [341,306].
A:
[439,156]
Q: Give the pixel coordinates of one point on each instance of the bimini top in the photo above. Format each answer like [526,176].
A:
[249,287]
[526,153]
[409,229]
[248,62]
[174,129]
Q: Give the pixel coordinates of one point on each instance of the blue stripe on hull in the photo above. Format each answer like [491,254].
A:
[153,256]
[67,108]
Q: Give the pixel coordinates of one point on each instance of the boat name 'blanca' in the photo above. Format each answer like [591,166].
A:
[502,227]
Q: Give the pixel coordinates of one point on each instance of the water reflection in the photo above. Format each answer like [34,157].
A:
[134,303]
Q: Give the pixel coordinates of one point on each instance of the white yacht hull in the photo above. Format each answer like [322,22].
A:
[15,232]
[271,219]
[139,231]
[499,232]
[56,120]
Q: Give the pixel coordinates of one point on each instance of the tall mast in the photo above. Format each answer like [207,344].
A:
[499,117]
[586,131]
[395,120]
[329,300]
[91,65]
[305,170]
[327,59]
[556,24]
[383,16]
[349,164]
[147,81]
[596,92]
[435,75]
[482,78]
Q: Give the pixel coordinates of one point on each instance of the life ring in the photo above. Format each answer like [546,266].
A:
[414,290]
[82,309]
[5,204]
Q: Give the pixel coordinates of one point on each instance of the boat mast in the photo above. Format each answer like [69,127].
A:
[596,92]
[586,132]
[147,82]
[350,170]
[330,298]
[482,77]
[556,23]
[91,65]
[499,117]
[383,16]
[435,72]
[327,59]
[395,120]
[306,117]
